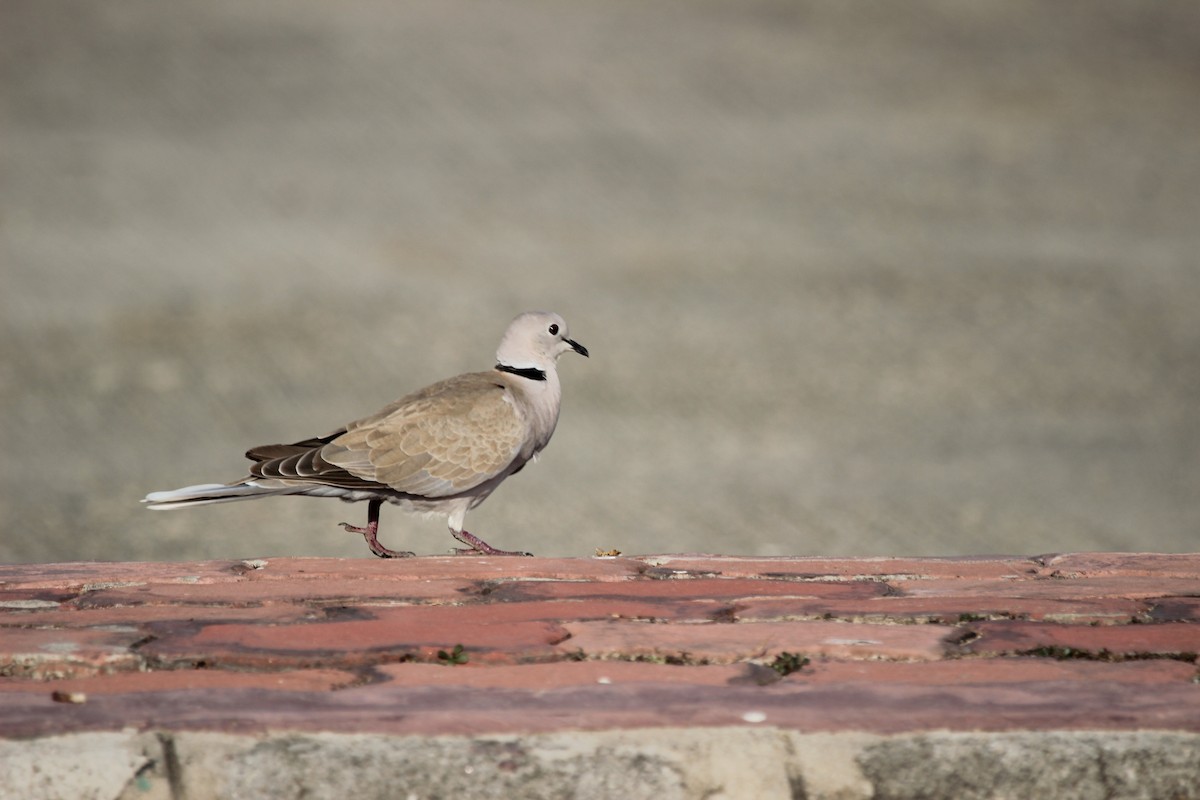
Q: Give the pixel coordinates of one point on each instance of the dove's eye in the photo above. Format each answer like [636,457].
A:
[554,330]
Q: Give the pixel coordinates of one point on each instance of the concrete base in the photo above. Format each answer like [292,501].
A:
[663,763]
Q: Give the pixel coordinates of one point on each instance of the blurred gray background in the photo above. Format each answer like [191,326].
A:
[857,278]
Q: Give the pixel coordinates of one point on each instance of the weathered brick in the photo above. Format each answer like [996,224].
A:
[557,675]
[1133,587]
[359,638]
[1157,565]
[1125,640]
[288,590]
[51,652]
[845,569]
[1176,609]
[726,643]
[328,644]
[685,588]
[984,672]
[946,609]
[297,680]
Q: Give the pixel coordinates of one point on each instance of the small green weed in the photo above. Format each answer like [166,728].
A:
[455,657]
[786,663]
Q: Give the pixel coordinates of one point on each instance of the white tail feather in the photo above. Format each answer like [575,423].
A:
[208,493]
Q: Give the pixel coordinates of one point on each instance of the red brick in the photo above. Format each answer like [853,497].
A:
[468,568]
[353,641]
[299,680]
[1134,587]
[728,643]
[70,617]
[941,609]
[819,671]
[252,592]
[1158,565]
[1125,640]
[595,608]
[845,569]
[697,588]
[987,671]
[75,575]
[447,618]
[789,704]
[282,637]
[49,652]
[557,675]
[1176,609]
[16,601]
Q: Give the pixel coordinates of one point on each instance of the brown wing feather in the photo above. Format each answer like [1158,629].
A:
[445,439]
[442,440]
[296,463]
[266,452]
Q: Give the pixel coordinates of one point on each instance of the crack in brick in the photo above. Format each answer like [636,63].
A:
[817,577]
[680,659]
[1061,653]
[368,675]
[668,574]
[142,642]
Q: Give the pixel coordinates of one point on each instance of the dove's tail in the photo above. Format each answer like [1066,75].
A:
[208,493]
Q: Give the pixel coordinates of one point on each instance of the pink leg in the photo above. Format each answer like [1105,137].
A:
[478,546]
[371,531]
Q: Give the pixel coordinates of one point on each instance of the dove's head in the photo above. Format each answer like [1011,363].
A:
[536,339]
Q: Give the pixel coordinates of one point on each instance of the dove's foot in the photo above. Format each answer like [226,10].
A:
[479,547]
[378,549]
[371,532]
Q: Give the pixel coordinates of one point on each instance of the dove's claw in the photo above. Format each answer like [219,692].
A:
[479,547]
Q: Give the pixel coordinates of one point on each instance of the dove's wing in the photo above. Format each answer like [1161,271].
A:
[443,440]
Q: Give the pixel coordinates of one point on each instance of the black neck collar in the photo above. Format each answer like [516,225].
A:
[532,373]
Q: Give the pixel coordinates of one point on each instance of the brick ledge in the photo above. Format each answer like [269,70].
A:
[898,650]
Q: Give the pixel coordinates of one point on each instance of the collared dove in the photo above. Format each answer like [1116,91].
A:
[442,449]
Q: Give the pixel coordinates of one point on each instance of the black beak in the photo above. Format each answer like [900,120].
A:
[577,347]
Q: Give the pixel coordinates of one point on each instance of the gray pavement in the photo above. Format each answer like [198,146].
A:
[694,763]
[857,278]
